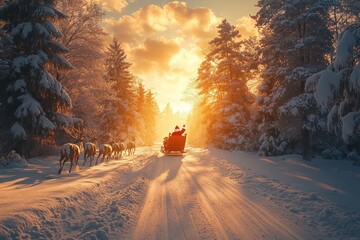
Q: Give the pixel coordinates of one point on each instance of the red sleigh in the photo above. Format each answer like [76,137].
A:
[174,145]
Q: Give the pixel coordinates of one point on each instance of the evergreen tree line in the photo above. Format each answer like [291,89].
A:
[52,65]
[305,64]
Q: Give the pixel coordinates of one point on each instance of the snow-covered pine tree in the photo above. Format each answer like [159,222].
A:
[150,113]
[342,13]
[222,81]
[140,106]
[338,89]
[35,98]
[122,106]
[108,118]
[294,45]
[6,49]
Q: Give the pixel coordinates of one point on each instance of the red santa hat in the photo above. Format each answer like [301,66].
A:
[177,129]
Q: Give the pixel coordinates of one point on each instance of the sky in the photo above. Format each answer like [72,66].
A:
[165,40]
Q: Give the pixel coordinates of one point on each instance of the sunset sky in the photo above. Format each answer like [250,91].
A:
[165,40]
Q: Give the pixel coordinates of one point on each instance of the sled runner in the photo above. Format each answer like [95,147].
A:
[174,145]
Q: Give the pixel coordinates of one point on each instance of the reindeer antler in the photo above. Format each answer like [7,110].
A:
[91,134]
[74,133]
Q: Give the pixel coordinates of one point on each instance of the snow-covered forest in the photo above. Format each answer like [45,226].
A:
[294,89]
[57,73]
[305,66]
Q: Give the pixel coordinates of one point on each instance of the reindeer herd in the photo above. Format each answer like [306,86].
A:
[71,151]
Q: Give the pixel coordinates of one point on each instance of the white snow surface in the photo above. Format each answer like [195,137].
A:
[44,11]
[350,122]
[13,160]
[45,123]
[344,50]
[205,194]
[28,106]
[67,121]
[35,61]
[23,28]
[18,86]
[17,130]
[355,79]
[328,87]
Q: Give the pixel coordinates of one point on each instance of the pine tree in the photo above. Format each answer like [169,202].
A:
[151,111]
[222,81]
[140,99]
[121,109]
[35,98]
[295,44]
[342,14]
[6,49]
[338,89]
[140,122]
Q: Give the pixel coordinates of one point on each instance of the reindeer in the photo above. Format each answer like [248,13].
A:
[105,150]
[90,148]
[118,145]
[71,151]
[130,147]
[122,148]
[115,148]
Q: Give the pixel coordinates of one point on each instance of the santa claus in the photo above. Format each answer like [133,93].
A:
[177,131]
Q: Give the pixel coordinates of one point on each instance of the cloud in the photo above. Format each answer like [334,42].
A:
[145,30]
[113,6]
[153,54]
[247,27]
[174,18]
[165,45]
[198,22]
[142,23]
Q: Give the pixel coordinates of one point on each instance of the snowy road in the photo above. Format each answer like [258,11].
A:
[190,199]
[201,195]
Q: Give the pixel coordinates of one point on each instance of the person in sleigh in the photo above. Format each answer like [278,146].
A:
[176,132]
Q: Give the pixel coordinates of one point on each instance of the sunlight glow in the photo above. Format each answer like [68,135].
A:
[181,107]
[171,42]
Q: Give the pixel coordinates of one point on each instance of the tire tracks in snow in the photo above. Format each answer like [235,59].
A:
[165,205]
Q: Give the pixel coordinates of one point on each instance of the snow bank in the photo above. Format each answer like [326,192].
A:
[13,160]
[99,204]
[317,211]
[72,214]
